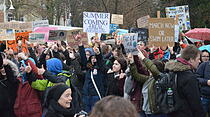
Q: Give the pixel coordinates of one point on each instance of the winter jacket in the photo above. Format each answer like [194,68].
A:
[27,102]
[114,85]
[142,78]
[204,75]
[100,78]
[8,89]
[188,90]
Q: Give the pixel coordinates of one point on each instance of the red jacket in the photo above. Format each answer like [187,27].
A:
[27,103]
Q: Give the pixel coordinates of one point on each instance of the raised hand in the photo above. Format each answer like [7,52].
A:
[41,70]
[130,58]
[122,75]
[140,54]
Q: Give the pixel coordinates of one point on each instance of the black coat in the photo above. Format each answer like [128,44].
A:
[8,89]
[188,89]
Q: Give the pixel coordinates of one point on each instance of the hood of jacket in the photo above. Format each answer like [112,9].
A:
[176,66]
[54,65]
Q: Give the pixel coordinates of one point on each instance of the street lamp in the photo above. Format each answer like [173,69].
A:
[11,8]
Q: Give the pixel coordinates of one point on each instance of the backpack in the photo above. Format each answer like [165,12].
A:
[162,94]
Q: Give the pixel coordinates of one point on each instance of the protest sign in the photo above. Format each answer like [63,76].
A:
[117,19]
[129,41]
[183,16]
[7,34]
[142,34]
[161,31]
[1,16]
[23,37]
[16,25]
[41,23]
[36,37]
[113,28]
[120,33]
[55,35]
[142,22]
[75,37]
[94,22]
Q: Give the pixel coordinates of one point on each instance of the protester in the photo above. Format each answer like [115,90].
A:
[113,106]
[116,77]
[60,102]
[188,87]
[205,56]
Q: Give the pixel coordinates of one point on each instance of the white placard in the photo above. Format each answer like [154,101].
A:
[94,22]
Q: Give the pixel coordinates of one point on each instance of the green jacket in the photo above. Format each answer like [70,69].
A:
[143,78]
[51,80]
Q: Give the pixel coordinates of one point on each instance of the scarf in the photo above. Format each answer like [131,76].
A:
[184,62]
[69,112]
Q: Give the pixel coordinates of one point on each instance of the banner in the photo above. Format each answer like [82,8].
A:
[161,31]
[37,38]
[142,34]
[129,41]
[183,16]
[117,19]
[142,22]
[41,23]
[55,35]
[74,37]
[7,34]
[23,36]
[94,22]
[16,25]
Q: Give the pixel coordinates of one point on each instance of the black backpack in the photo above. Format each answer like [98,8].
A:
[166,98]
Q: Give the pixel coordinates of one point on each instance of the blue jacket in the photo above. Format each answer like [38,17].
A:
[204,75]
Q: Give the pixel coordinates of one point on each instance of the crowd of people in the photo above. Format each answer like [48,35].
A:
[55,80]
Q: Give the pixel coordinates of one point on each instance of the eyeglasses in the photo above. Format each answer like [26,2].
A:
[205,56]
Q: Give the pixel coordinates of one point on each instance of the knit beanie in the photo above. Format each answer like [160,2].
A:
[56,91]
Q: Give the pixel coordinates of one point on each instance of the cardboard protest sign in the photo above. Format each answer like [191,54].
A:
[1,16]
[129,41]
[41,23]
[117,19]
[142,34]
[16,25]
[161,31]
[7,34]
[183,16]
[23,36]
[74,37]
[94,22]
[142,22]
[36,37]
[55,35]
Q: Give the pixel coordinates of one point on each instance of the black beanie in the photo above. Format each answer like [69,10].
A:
[57,91]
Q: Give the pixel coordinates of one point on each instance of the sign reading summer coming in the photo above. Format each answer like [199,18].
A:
[161,31]
[94,22]
[117,19]
[183,16]
[130,42]
[74,37]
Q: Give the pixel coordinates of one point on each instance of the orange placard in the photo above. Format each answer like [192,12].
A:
[13,44]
